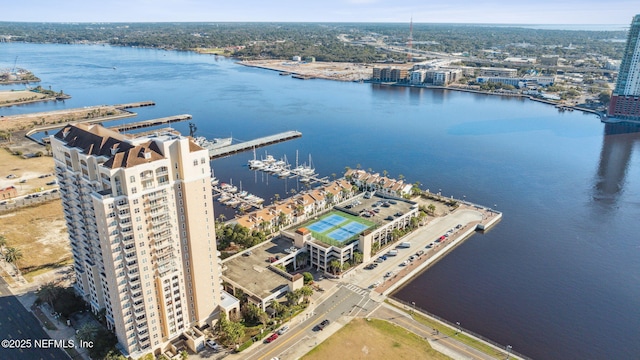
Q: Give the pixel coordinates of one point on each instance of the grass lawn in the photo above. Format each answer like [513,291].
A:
[40,232]
[373,339]
[448,331]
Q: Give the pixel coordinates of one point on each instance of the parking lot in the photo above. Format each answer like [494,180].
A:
[378,209]
[29,200]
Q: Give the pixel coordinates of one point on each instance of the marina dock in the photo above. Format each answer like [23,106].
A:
[135,105]
[253,144]
[228,195]
[152,122]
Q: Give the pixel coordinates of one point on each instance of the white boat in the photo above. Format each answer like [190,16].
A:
[269,160]
[228,188]
[256,164]
[284,173]
[233,202]
[212,144]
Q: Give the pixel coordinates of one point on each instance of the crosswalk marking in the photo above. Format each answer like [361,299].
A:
[356,289]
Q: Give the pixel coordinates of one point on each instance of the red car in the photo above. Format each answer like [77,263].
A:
[271,338]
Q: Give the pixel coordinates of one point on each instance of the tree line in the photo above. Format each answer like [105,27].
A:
[321,40]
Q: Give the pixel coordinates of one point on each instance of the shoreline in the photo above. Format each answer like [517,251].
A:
[431,256]
[302,75]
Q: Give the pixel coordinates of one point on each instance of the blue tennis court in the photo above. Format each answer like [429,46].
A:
[340,234]
[355,227]
[334,219]
[326,223]
[335,227]
[319,226]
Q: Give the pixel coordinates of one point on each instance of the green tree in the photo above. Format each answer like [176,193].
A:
[604,97]
[48,293]
[102,339]
[357,257]
[13,255]
[374,248]
[334,266]
[308,278]
[293,297]
[277,307]
[114,355]
[306,292]
[432,209]
[301,259]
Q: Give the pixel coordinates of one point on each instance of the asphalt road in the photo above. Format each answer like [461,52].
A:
[20,328]
[302,337]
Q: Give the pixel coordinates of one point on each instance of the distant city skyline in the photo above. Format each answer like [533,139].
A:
[453,11]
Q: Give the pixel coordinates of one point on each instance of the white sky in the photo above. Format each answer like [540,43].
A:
[422,11]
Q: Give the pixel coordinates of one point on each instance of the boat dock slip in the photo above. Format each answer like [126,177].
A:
[252,144]
[152,122]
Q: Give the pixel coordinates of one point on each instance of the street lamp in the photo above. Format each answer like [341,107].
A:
[459,328]
[414,306]
[508,351]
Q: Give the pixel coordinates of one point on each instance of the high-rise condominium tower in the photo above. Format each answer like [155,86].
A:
[625,100]
[139,211]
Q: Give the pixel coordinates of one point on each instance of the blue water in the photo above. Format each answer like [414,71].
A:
[557,278]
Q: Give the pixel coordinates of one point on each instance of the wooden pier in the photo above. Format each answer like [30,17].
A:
[253,144]
[135,105]
[152,122]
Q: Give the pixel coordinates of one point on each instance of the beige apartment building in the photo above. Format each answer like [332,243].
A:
[139,211]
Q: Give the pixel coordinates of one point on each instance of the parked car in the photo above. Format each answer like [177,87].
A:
[271,338]
[212,344]
[283,330]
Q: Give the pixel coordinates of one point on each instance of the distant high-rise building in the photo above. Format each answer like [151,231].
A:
[139,212]
[625,100]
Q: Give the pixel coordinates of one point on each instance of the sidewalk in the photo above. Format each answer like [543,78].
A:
[25,292]
[447,345]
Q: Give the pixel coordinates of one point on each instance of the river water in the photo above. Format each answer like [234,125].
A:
[557,278]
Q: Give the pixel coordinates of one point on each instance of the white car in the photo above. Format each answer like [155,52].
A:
[212,344]
[283,330]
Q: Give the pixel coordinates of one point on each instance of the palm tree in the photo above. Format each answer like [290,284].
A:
[334,175]
[357,257]
[264,225]
[12,256]
[301,259]
[335,266]
[293,297]
[306,291]
[282,219]
[48,293]
[276,197]
[330,197]
[374,248]
[385,173]
[277,307]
